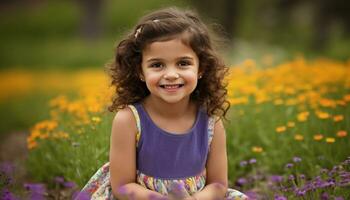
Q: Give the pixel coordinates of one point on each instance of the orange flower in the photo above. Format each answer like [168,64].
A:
[346,97]
[338,118]
[342,133]
[328,103]
[281,129]
[341,102]
[32,145]
[318,137]
[298,137]
[330,140]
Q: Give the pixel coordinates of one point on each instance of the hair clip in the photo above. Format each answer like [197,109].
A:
[155,20]
[138,31]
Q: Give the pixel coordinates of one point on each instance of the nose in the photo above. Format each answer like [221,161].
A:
[171,74]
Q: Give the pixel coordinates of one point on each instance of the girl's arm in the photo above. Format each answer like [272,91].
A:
[216,167]
[122,159]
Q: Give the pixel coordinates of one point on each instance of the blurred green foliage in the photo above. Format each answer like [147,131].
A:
[48,34]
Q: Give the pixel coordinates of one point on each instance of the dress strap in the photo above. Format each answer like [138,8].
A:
[211,124]
[138,125]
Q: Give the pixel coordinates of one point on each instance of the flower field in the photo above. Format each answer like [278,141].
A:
[287,130]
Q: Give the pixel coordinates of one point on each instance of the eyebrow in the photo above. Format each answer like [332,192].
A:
[180,58]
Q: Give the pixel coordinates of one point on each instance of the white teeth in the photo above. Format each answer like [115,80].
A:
[171,86]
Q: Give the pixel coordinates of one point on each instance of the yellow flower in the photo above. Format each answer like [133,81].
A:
[96,119]
[318,137]
[338,118]
[290,124]
[281,129]
[257,149]
[35,133]
[342,133]
[302,117]
[330,140]
[322,115]
[298,137]
[239,100]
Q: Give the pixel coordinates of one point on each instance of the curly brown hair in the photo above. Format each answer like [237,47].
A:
[163,25]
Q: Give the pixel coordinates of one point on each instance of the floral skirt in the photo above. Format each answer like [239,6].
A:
[99,188]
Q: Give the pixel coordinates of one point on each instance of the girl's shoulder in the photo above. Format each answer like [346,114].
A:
[125,118]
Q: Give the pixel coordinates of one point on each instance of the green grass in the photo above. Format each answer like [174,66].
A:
[19,114]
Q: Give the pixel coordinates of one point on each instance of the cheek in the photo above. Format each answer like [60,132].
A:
[151,78]
[191,77]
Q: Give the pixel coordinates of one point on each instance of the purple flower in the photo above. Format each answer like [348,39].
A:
[35,187]
[276,178]
[37,190]
[300,192]
[296,159]
[251,195]
[325,196]
[277,197]
[7,195]
[243,163]
[338,198]
[291,177]
[302,176]
[252,161]
[242,181]
[69,184]
[289,165]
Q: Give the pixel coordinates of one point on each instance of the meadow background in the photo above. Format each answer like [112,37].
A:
[289,88]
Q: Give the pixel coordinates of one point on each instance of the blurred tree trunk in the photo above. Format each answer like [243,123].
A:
[91,24]
[223,12]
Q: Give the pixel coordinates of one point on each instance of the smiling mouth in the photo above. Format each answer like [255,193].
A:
[171,86]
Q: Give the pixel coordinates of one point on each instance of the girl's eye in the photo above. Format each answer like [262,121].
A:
[184,63]
[156,65]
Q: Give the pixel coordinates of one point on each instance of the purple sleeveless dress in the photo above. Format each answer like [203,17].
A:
[165,155]
[165,159]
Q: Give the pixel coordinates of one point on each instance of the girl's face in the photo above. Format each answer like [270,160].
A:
[170,70]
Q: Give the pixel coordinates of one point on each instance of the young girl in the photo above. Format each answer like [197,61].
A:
[167,140]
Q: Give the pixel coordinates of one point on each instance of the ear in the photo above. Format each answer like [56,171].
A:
[200,74]
[142,77]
